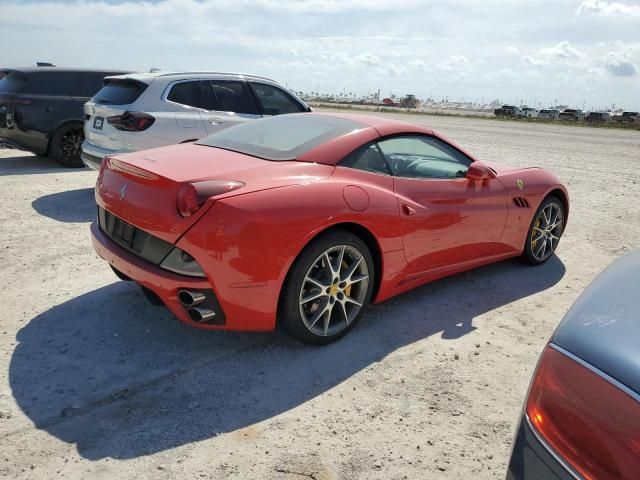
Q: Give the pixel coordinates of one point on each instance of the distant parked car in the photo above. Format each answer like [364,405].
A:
[507,111]
[598,117]
[581,418]
[147,110]
[571,115]
[627,117]
[41,109]
[549,114]
[528,112]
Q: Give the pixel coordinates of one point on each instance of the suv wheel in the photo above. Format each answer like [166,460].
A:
[66,145]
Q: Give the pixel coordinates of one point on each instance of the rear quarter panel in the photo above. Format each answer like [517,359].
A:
[249,242]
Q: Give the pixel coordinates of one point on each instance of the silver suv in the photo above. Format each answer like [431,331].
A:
[146,110]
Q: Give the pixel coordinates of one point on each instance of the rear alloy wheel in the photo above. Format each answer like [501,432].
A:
[66,145]
[545,232]
[327,289]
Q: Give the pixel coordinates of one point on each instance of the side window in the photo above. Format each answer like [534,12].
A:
[229,96]
[275,101]
[421,156]
[89,84]
[367,158]
[52,83]
[185,93]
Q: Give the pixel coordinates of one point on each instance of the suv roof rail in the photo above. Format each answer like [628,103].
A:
[166,74]
[44,64]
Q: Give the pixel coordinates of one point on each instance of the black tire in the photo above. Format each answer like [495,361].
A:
[290,311]
[530,254]
[66,145]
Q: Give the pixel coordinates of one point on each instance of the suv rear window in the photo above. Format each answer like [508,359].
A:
[119,92]
[13,82]
[281,138]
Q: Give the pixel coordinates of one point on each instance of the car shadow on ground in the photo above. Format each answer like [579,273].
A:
[71,206]
[121,379]
[25,164]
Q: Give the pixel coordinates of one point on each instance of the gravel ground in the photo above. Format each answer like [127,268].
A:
[96,383]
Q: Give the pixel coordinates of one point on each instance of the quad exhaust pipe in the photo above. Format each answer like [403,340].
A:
[191,299]
[201,315]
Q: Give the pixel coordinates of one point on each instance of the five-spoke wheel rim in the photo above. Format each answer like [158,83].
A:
[546,231]
[334,290]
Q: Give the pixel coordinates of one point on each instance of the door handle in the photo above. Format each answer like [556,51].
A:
[407,210]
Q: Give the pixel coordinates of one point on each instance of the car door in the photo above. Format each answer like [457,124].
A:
[445,217]
[227,103]
[276,101]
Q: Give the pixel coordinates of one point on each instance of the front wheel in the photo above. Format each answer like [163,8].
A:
[328,286]
[545,232]
[66,145]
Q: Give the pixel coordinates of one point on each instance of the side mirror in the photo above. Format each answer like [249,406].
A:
[479,172]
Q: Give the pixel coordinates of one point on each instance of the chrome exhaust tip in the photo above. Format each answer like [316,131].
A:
[201,315]
[191,299]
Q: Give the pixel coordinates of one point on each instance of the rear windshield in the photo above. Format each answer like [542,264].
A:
[284,137]
[13,82]
[119,92]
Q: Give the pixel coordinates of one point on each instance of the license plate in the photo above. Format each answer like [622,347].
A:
[97,123]
[123,232]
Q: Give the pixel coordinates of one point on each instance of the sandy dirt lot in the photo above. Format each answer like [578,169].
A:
[97,383]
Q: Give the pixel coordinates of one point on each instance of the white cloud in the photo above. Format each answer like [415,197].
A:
[608,9]
[619,65]
[368,59]
[528,59]
[512,50]
[563,52]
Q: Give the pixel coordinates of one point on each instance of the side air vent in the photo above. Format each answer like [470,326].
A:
[521,202]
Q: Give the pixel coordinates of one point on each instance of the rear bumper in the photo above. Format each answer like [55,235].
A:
[91,161]
[533,460]
[92,155]
[164,284]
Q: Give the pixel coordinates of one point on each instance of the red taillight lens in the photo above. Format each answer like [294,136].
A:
[191,196]
[187,201]
[593,425]
[131,121]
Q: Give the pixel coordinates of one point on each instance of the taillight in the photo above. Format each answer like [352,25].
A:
[131,121]
[191,196]
[591,423]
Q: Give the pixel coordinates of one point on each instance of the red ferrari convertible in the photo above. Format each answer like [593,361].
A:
[301,220]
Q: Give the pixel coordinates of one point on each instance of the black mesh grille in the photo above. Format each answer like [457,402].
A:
[139,242]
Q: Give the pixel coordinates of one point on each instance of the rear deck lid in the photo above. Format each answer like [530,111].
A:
[603,326]
[142,187]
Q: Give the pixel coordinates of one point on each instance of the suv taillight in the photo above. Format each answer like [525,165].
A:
[131,121]
[191,196]
[591,423]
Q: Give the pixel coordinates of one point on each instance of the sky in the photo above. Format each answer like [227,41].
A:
[582,53]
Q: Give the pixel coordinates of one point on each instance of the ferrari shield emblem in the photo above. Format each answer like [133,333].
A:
[520,184]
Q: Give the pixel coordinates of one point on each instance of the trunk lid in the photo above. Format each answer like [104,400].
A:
[115,97]
[142,187]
